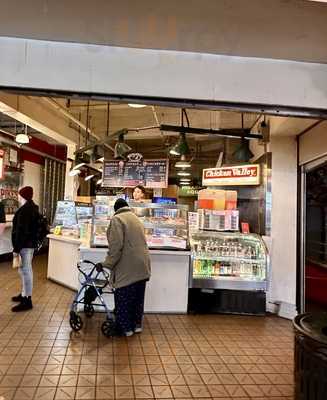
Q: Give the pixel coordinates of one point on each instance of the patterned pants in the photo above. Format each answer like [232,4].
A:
[129,306]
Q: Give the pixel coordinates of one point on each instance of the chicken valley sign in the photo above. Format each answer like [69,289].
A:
[240,175]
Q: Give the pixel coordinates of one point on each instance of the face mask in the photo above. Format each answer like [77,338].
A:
[21,200]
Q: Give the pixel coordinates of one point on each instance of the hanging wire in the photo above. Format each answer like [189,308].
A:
[186,116]
[108,114]
[79,130]
[87,123]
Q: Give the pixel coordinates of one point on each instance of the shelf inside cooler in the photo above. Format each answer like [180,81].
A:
[158,225]
[230,259]
[228,277]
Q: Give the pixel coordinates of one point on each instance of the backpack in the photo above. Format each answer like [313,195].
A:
[42,230]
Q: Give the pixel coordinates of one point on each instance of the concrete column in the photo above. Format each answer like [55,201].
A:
[71,182]
[284,218]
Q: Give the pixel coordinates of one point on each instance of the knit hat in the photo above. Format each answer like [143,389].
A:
[26,193]
[120,203]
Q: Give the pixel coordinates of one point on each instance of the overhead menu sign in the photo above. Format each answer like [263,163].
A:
[149,173]
[240,175]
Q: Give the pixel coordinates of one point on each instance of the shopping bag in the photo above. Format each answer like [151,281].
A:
[16,261]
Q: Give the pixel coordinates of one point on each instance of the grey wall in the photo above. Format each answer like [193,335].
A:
[283,29]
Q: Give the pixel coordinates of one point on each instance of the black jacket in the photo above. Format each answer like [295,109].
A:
[25,225]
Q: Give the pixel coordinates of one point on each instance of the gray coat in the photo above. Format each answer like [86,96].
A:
[128,255]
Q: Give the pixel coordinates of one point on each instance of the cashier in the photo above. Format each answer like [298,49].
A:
[139,193]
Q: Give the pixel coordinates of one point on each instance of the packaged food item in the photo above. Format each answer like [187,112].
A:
[206,204]
[231,199]
[211,199]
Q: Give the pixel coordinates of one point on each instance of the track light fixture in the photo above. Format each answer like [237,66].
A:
[181,147]
[74,172]
[97,154]
[89,177]
[121,149]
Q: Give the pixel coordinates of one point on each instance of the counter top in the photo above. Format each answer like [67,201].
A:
[152,251]
[65,239]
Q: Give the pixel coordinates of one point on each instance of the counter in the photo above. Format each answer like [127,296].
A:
[166,292]
[63,259]
[5,238]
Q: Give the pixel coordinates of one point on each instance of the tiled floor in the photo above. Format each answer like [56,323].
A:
[182,357]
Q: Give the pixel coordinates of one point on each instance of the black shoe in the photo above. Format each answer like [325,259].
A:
[17,299]
[24,305]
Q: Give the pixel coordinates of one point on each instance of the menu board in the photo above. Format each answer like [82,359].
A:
[149,173]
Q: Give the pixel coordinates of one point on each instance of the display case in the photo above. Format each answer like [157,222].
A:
[84,213]
[66,219]
[102,213]
[232,261]
[165,225]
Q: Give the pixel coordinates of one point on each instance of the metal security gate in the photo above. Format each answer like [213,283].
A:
[53,186]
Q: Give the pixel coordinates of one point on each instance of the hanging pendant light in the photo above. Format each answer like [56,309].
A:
[183,163]
[243,153]
[22,138]
[183,173]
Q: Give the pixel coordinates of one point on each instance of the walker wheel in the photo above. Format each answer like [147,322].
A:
[75,322]
[88,310]
[108,328]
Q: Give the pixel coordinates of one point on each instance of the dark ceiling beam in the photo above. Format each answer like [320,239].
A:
[237,132]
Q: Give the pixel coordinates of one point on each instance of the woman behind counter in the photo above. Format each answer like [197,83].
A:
[139,193]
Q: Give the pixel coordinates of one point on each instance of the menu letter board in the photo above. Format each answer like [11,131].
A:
[240,175]
[149,173]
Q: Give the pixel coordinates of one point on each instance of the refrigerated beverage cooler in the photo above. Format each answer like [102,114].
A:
[228,273]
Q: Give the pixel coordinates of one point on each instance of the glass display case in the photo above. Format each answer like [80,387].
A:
[102,212]
[165,225]
[84,213]
[66,218]
[222,260]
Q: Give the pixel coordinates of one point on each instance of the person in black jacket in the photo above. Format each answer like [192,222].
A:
[2,218]
[24,241]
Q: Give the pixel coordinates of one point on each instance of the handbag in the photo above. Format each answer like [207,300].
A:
[16,261]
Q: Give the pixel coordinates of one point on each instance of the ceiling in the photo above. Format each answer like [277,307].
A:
[10,126]
[124,116]
[155,143]
[67,116]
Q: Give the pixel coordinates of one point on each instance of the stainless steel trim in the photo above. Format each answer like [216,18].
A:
[303,238]
[228,284]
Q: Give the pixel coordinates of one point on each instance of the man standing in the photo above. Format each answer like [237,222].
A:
[24,240]
[129,262]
